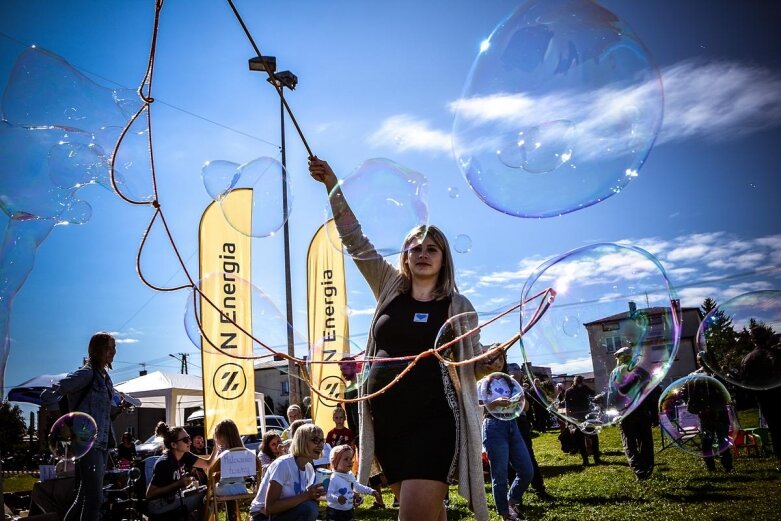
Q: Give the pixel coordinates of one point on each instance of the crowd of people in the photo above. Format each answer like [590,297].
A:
[417,436]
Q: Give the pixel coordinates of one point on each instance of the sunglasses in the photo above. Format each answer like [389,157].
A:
[186,439]
[317,441]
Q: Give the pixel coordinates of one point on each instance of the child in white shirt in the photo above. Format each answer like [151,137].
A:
[343,486]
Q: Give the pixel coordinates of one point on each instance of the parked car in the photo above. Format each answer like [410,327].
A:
[274,422]
[150,447]
[154,445]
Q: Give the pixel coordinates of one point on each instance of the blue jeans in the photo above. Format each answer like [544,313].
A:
[306,511]
[504,445]
[89,478]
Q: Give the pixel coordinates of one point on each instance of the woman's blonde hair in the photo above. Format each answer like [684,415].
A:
[302,437]
[446,282]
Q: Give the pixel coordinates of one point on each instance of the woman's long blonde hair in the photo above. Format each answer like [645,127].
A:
[446,282]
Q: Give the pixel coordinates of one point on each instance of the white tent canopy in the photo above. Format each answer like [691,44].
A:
[170,391]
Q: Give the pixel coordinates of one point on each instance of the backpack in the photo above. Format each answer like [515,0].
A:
[63,402]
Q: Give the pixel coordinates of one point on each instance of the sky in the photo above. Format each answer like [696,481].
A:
[383,80]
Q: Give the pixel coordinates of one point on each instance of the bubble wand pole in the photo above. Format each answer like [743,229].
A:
[278,86]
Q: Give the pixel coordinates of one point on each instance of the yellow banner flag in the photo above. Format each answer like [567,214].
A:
[226,278]
[328,326]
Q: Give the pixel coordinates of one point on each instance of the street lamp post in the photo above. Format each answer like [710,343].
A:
[281,80]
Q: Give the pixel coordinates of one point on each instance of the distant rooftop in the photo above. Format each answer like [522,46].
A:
[270,364]
[625,314]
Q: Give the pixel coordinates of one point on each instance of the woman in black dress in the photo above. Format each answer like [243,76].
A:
[424,430]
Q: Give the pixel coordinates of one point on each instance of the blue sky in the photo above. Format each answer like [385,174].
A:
[379,79]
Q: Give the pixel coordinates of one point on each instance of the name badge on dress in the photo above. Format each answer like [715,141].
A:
[420,317]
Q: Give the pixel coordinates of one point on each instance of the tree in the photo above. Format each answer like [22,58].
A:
[12,428]
[720,337]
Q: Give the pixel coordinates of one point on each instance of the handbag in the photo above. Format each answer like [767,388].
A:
[187,500]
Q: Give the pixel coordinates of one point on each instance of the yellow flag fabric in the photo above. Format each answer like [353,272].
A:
[226,277]
[328,326]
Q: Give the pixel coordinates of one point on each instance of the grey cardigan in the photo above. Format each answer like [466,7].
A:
[386,282]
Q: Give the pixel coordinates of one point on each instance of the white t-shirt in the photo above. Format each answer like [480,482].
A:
[344,484]
[284,471]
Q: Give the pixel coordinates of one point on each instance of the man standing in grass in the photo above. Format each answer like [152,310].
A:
[577,401]
[636,433]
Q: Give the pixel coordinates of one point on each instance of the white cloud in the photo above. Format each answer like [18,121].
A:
[127,341]
[405,132]
[693,297]
[717,265]
[574,366]
[713,100]
[745,287]
[687,253]
[357,312]
[525,268]
[719,99]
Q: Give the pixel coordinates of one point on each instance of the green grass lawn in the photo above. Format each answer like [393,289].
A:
[18,483]
[680,488]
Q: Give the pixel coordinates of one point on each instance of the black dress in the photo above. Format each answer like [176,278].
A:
[415,421]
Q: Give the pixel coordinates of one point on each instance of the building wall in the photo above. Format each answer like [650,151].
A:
[606,337]
[273,382]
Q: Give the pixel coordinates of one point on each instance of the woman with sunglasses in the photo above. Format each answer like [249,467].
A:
[414,300]
[288,491]
[172,471]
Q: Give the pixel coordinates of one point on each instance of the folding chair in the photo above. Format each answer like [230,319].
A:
[747,441]
[683,429]
[233,464]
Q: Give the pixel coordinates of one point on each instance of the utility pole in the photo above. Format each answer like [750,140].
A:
[282,80]
[183,359]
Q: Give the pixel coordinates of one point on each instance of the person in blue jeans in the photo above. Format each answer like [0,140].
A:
[90,390]
[504,446]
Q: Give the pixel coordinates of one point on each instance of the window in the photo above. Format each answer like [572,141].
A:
[285,388]
[612,343]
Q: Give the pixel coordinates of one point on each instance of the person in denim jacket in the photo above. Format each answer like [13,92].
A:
[97,402]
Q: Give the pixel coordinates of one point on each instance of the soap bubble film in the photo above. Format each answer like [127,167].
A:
[342,361]
[607,296]
[218,177]
[696,414]
[73,435]
[264,176]
[388,200]
[738,340]
[559,111]
[62,128]
[501,396]
[268,324]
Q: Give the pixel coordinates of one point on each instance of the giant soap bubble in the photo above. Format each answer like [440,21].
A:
[696,413]
[608,296]
[501,396]
[388,199]
[221,298]
[73,435]
[262,179]
[57,131]
[737,339]
[559,112]
[333,361]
